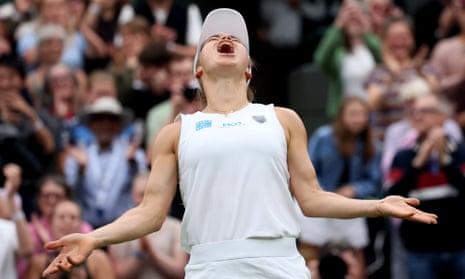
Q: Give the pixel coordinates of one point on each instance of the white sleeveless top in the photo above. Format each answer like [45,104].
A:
[233,177]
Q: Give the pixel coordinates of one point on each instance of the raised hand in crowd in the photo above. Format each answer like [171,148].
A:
[352,10]
[15,109]
[380,10]
[79,154]
[163,33]
[10,209]
[434,145]
[12,173]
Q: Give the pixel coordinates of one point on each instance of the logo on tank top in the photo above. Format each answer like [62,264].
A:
[232,124]
[259,118]
[203,124]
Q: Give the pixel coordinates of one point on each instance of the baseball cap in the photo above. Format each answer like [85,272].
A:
[222,21]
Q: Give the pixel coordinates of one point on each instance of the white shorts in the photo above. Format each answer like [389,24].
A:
[247,258]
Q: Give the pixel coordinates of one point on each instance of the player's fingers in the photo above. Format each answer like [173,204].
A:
[52,245]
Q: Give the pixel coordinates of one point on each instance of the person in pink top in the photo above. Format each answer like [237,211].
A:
[51,189]
[447,58]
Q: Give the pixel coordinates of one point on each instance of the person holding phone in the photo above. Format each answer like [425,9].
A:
[347,53]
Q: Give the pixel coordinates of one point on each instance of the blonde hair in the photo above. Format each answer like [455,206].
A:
[137,25]
[101,76]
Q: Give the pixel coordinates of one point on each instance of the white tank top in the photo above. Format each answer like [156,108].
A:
[233,177]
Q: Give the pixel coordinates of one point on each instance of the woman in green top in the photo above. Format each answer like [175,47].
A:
[347,54]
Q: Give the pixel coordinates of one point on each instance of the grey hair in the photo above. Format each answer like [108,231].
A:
[445,106]
[49,31]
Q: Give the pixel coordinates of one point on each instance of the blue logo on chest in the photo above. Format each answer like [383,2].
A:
[203,124]
[232,124]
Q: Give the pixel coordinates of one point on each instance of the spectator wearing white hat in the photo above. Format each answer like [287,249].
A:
[101,172]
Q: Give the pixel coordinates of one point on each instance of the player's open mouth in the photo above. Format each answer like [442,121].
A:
[225,47]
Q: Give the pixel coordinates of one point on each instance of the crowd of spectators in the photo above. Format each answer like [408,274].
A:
[85,86]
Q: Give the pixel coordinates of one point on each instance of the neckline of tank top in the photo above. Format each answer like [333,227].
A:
[228,113]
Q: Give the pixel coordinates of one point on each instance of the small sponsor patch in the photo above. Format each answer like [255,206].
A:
[259,118]
[203,124]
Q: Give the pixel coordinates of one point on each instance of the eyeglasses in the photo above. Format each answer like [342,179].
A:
[52,195]
[423,111]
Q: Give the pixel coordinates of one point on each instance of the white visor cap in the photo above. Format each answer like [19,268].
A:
[222,21]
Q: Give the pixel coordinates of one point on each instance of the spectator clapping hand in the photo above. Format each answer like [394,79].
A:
[352,12]
[79,154]
[163,33]
[434,144]
[12,173]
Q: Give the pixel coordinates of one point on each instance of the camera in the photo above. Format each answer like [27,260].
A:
[190,94]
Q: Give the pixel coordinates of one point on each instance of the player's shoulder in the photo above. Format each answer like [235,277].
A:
[169,133]
[286,114]
[173,127]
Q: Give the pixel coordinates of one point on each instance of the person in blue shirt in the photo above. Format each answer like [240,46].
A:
[346,162]
[102,171]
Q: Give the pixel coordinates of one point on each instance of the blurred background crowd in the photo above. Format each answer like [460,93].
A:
[85,86]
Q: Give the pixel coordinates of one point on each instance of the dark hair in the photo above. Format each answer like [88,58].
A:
[332,267]
[14,63]
[397,19]
[344,139]
[154,54]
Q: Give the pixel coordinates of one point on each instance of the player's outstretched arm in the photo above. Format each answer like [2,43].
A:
[147,217]
[316,202]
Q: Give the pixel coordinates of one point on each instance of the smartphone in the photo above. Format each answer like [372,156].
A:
[356,2]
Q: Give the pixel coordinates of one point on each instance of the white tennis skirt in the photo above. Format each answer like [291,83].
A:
[247,258]
[318,231]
